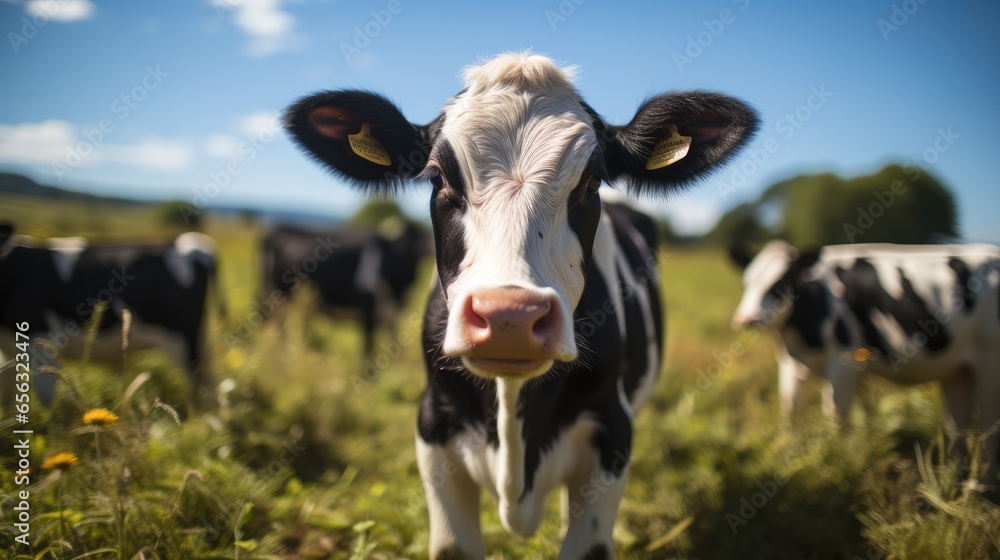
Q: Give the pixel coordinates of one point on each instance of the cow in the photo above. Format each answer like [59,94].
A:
[55,285]
[909,313]
[543,335]
[368,272]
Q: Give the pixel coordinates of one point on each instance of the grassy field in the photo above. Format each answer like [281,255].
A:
[305,457]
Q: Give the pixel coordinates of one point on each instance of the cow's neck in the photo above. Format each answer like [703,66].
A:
[510,466]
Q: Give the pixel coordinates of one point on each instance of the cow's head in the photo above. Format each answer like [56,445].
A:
[516,159]
[770,279]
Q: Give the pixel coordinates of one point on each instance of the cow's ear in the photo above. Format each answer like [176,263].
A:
[359,136]
[741,254]
[677,138]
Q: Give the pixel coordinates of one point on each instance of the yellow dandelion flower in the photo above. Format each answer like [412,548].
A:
[62,461]
[99,416]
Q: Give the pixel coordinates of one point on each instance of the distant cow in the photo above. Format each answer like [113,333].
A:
[367,272]
[910,313]
[54,286]
[543,335]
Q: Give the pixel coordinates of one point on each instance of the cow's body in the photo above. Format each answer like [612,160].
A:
[364,272]
[575,426]
[544,331]
[54,287]
[911,314]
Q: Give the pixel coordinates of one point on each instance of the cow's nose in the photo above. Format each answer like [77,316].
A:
[512,323]
[745,322]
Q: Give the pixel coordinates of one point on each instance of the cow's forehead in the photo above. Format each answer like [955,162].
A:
[518,122]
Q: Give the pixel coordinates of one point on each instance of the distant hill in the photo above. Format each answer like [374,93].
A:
[19,185]
[11,183]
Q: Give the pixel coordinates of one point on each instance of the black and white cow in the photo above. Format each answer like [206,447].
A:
[910,313]
[367,272]
[54,285]
[543,335]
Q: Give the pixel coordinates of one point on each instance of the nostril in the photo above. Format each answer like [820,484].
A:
[544,322]
[473,318]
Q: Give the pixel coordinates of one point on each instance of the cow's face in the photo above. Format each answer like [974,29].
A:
[769,283]
[516,160]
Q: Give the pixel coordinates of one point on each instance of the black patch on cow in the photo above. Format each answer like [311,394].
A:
[597,552]
[583,218]
[330,260]
[962,279]
[640,256]
[810,310]
[841,332]
[864,294]
[449,204]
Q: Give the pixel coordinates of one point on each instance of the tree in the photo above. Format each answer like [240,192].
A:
[894,205]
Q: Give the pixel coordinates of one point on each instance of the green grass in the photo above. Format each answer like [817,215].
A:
[326,457]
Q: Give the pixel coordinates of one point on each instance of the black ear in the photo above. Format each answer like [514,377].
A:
[359,136]
[741,254]
[647,153]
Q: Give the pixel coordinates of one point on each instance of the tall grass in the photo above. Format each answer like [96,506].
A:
[329,468]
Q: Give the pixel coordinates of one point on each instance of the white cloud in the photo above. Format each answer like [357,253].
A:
[56,142]
[222,146]
[60,10]
[255,123]
[270,28]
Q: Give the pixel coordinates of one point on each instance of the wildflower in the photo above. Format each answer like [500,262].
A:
[100,417]
[62,461]
[861,355]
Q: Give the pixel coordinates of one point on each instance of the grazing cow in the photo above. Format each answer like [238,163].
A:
[368,272]
[910,313]
[543,334]
[54,286]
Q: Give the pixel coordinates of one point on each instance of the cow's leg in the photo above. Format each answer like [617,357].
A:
[368,306]
[199,368]
[452,503]
[792,375]
[988,396]
[839,394]
[589,509]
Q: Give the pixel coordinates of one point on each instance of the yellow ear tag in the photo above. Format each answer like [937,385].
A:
[670,150]
[366,146]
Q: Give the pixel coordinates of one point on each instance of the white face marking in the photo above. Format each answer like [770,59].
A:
[189,248]
[65,252]
[522,143]
[762,273]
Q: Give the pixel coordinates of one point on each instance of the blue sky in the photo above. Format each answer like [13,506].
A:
[200,78]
